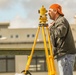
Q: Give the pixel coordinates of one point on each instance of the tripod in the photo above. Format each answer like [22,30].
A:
[48,51]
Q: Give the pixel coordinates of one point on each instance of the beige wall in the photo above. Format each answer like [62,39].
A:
[20,63]
[7,73]
[22,33]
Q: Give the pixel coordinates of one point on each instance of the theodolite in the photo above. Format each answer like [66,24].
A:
[43,16]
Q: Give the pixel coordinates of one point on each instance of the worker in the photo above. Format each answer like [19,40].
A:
[62,40]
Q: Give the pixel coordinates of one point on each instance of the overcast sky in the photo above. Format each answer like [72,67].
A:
[24,13]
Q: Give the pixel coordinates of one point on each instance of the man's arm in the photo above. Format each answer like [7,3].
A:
[60,30]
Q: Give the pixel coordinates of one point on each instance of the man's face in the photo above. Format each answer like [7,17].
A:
[52,14]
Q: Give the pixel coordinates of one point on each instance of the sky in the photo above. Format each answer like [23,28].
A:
[24,13]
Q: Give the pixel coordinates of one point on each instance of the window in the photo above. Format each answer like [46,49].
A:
[7,63]
[0,36]
[38,64]
[11,36]
[28,35]
[17,36]
[33,35]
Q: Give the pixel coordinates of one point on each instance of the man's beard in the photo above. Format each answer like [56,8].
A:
[50,17]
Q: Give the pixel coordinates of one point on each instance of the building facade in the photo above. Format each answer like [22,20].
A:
[15,46]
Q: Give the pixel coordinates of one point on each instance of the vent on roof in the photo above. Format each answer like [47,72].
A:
[4,24]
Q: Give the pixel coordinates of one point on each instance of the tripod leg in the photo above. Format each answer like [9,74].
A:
[46,52]
[51,58]
[49,41]
[33,47]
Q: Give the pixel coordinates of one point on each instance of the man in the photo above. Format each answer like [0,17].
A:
[62,40]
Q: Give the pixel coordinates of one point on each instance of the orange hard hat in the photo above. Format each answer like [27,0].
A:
[58,8]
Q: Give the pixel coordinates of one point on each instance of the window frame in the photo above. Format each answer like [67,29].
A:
[36,58]
[7,58]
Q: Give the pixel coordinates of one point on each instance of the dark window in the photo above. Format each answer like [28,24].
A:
[11,36]
[28,35]
[38,64]
[17,36]
[0,36]
[7,63]
[33,35]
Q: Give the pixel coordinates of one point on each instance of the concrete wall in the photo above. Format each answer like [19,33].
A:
[20,63]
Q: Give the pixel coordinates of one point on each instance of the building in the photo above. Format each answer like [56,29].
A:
[15,46]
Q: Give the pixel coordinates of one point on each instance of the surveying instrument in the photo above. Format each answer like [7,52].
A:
[48,51]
